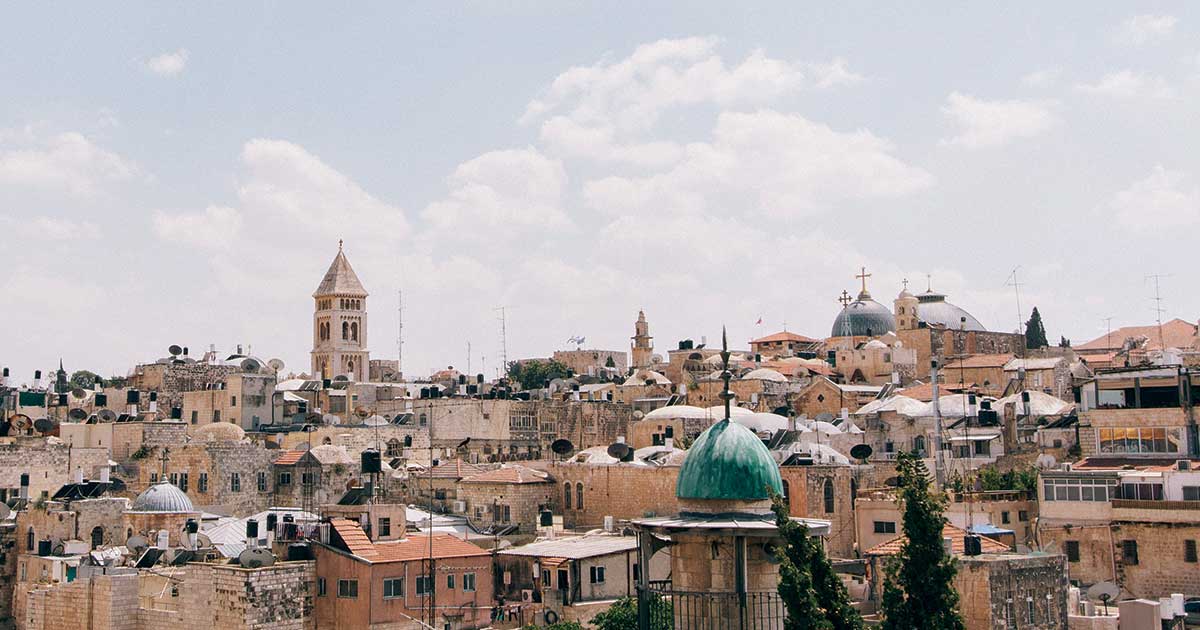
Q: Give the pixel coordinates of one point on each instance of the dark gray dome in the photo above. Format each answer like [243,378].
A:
[934,310]
[865,318]
[162,497]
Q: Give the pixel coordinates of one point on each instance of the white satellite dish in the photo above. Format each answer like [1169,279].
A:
[331,419]
[256,558]
[137,544]
[1046,461]
[275,364]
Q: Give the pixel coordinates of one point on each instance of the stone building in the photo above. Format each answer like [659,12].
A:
[441,491]
[823,395]
[315,476]
[876,362]
[428,580]
[340,323]
[510,496]
[170,379]
[50,466]
[985,371]
[593,362]
[785,344]
[245,399]
[642,346]
[123,439]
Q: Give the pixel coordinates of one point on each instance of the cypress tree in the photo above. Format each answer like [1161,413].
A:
[812,592]
[919,593]
[1035,332]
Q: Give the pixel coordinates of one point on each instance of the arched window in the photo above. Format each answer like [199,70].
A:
[829,496]
[787,493]
[326,441]
[407,441]
[567,495]
[30,540]
[853,492]
[579,496]
[97,537]
[919,445]
[345,330]
[354,331]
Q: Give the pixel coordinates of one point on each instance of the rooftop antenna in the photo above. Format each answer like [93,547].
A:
[503,336]
[1158,306]
[1108,334]
[1012,282]
[468,356]
[400,331]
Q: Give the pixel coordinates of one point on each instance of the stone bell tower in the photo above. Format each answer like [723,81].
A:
[340,323]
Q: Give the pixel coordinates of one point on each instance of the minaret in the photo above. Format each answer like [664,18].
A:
[340,323]
[905,306]
[60,379]
[642,348]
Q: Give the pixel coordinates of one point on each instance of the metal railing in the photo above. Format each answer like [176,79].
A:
[698,610]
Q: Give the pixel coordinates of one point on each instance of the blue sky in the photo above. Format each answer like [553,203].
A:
[181,174]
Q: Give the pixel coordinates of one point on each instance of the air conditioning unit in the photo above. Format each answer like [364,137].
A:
[459,507]
[610,523]
[1065,467]
[1183,464]
[527,596]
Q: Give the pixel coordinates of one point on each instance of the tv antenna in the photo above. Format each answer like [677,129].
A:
[1012,282]
[1158,306]
[1108,332]
[503,310]
[399,331]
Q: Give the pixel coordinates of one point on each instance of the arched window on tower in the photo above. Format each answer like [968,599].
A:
[567,495]
[345,331]
[579,496]
[354,331]
[97,537]
[829,496]
[30,540]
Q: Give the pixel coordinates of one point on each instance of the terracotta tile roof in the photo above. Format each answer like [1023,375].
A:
[355,538]
[980,361]
[455,469]
[955,534]
[417,547]
[784,336]
[1177,333]
[1103,359]
[289,458]
[514,473]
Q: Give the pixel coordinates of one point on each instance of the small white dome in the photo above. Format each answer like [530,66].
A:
[220,432]
[765,374]
[162,497]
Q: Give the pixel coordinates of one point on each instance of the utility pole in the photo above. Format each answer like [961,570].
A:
[468,357]
[939,468]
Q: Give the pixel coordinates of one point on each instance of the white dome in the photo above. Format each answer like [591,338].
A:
[757,422]
[672,412]
[162,497]
[952,406]
[875,344]
[641,376]
[220,432]
[718,412]
[765,374]
[899,404]
[331,454]
[820,426]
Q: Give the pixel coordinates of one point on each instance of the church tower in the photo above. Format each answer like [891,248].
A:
[905,306]
[340,323]
[642,348]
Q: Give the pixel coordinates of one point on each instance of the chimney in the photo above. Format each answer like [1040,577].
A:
[37,379]
[251,534]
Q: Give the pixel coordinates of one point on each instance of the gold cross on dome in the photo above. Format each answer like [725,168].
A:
[863,276]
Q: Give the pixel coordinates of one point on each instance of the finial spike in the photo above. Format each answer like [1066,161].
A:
[339,244]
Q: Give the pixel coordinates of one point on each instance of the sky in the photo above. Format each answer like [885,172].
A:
[181,174]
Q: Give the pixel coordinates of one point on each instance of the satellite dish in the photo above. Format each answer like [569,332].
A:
[1104,591]
[137,544]
[341,378]
[275,364]
[271,445]
[107,415]
[174,350]
[312,417]
[58,549]
[362,411]
[1046,461]
[202,541]
[5,511]
[250,365]
[256,558]
[619,451]
[21,422]
[77,414]
[861,452]
[638,415]
[331,419]
[78,393]
[43,425]
[563,446]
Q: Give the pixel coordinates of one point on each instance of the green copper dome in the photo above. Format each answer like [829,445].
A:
[727,462]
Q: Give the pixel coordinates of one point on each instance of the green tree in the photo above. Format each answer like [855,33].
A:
[609,363]
[1063,342]
[623,615]
[1035,332]
[535,373]
[919,592]
[83,379]
[812,592]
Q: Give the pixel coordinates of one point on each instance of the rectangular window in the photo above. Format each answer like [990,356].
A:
[262,482]
[393,588]
[308,478]
[424,585]
[885,527]
[153,478]
[1072,547]
[507,514]
[1191,493]
[348,589]
[233,401]
[183,481]
[1004,518]
[1022,516]
[450,581]
[1073,489]
[235,482]
[597,575]
[174,477]
[1189,551]
[285,479]
[195,416]
[1129,551]
[321,590]
[983,447]
[216,415]
[202,483]
[468,582]
[385,527]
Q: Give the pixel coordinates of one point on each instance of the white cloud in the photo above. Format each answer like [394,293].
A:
[502,192]
[766,162]
[834,74]
[1128,84]
[994,123]
[168,64]
[1164,199]
[66,161]
[1043,77]
[40,229]
[1143,29]
[216,227]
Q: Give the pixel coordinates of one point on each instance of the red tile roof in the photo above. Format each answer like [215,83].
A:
[411,548]
[955,534]
[514,473]
[980,361]
[784,336]
[455,469]
[289,458]
[1176,333]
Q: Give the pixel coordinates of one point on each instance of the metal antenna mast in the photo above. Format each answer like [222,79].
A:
[400,331]
[503,337]
[1012,282]
[1158,306]
[1108,334]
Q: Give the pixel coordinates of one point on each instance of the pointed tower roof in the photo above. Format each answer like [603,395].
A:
[340,279]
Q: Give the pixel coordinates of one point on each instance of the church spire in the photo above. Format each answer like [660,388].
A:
[340,279]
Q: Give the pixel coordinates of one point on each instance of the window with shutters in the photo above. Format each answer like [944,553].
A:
[468,582]
[202,482]
[235,482]
[1072,547]
[262,482]
[1189,551]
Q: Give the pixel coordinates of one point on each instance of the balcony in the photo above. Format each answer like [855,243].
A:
[662,608]
[1138,504]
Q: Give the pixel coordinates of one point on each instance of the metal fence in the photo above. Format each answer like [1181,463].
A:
[694,610]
